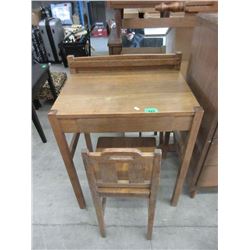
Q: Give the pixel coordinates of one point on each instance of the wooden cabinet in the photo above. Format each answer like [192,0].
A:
[202,77]
[209,174]
[180,39]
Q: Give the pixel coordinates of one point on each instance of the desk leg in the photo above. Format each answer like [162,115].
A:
[37,104]
[161,138]
[67,158]
[187,155]
[88,142]
[167,136]
[162,146]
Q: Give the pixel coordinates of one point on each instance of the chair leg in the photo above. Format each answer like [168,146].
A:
[161,138]
[103,204]
[167,136]
[38,125]
[100,214]
[151,215]
[97,200]
[37,104]
[192,192]
[162,145]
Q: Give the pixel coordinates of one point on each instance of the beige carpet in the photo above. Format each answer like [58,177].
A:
[59,79]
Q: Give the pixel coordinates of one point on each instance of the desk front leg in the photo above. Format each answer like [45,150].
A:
[67,157]
[187,155]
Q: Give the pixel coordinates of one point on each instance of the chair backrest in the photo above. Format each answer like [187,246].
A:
[115,62]
[122,168]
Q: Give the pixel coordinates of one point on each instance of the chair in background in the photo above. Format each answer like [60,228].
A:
[40,74]
[123,172]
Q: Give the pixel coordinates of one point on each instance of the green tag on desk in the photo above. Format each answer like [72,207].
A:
[151,110]
[43,66]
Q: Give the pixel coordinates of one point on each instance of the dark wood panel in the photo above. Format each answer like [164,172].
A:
[98,11]
[203,67]
[209,176]
[202,77]
[212,155]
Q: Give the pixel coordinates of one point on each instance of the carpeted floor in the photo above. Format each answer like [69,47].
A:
[59,79]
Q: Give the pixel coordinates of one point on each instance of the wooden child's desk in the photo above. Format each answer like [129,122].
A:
[113,94]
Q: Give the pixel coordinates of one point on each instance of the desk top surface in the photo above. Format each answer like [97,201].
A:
[129,93]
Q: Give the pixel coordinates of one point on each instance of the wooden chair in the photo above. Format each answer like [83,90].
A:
[172,14]
[123,172]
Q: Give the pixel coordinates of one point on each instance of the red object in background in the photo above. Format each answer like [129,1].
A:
[99,30]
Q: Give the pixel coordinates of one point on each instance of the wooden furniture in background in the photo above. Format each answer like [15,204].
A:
[140,12]
[128,167]
[202,77]
[111,93]
[169,5]
[122,21]
[144,21]
[144,50]
[97,10]
[180,39]
[187,7]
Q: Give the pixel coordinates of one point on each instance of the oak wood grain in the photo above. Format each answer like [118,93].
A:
[123,92]
[202,77]
[125,61]
[139,23]
[100,100]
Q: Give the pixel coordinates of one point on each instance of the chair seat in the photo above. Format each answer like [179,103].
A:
[144,144]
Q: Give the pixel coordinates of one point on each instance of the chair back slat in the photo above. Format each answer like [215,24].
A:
[108,172]
[120,167]
[136,172]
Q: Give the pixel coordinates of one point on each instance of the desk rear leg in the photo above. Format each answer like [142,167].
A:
[187,155]
[67,158]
